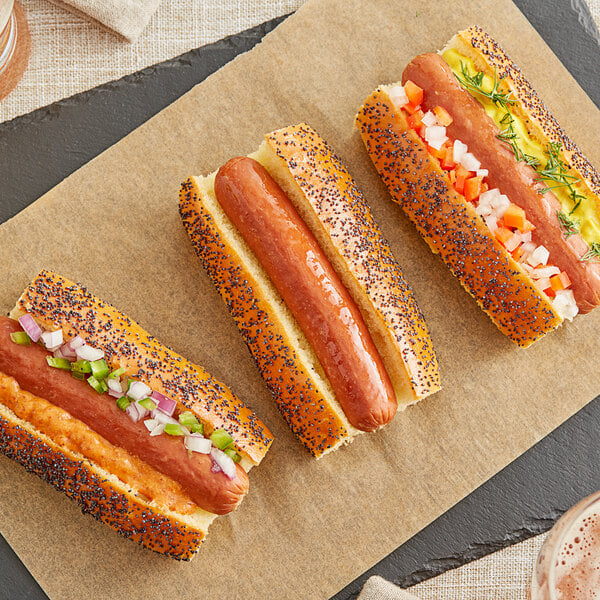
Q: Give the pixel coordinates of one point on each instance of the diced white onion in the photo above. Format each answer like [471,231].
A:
[435,136]
[150,424]
[492,223]
[565,304]
[65,352]
[86,352]
[161,417]
[483,209]
[115,385]
[198,443]
[528,248]
[543,283]
[76,342]
[539,256]
[513,241]
[225,462]
[458,151]
[53,340]
[542,272]
[429,119]
[160,428]
[139,390]
[500,203]
[482,173]
[469,162]
[398,96]
[526,237]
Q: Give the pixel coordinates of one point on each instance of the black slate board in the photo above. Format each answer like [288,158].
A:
[40,149]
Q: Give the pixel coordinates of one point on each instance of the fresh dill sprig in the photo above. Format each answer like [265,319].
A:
[568,225]
[593,253]
[474,83]
[556,172]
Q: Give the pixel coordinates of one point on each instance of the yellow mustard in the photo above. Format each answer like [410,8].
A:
[586,213]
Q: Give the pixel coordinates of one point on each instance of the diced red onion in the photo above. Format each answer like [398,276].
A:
[76,342]
[196,442]
[59,353]
[458,151]
[33,330]
[225,462]
[539,256]
[214,467]
[163,403]
[429,119]
[134,413]
[469,162]
[115,387]
[53,340]
[143,412]
[66,352]
[86,352]
[139,390]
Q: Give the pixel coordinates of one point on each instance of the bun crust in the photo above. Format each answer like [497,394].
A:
[98,492]
[450,225]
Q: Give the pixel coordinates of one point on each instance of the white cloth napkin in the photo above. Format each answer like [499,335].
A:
[126,17]
[377,588]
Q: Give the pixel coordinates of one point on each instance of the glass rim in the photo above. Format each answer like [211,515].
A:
[7,53]
[582,506]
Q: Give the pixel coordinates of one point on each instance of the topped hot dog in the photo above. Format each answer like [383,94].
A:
[499,191]
[293,249]
[174,443]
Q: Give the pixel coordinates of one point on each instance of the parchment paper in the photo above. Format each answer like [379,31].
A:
[307,528]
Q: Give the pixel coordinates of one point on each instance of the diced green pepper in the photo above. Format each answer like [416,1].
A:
[59,363]
[197,428]
[221,439]
[233,454]
[81,366]
[100,369]
[147,403]
[116,374]
[187,418]
[123,402]
[21,338]
[78,375]
[99,385]
[174,429]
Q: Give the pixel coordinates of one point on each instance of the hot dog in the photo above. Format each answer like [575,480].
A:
[292,247]
[133,433]
[475,159]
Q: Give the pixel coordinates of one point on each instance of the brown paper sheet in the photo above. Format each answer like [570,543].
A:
[307,528]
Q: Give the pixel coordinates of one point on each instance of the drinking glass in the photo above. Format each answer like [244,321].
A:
[8,33]
[568,565]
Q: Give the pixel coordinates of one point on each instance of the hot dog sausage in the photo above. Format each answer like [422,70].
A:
[302,274]
[212,491]
[475,128]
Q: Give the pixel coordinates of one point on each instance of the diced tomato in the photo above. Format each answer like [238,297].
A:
[461,176]
[517,253]
[560,281]
[550,292]
[414,93]
[452,174]
[448,160]
[515,217]
[472,188]
[443,116]
[439,154]
[415,121]
[503,234]
[484,188]
[410,109]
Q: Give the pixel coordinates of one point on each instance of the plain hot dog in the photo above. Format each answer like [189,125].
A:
[310,287]
[495,186]
[164,446]
[290,243]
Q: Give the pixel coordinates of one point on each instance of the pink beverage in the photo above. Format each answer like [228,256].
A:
[568,566]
